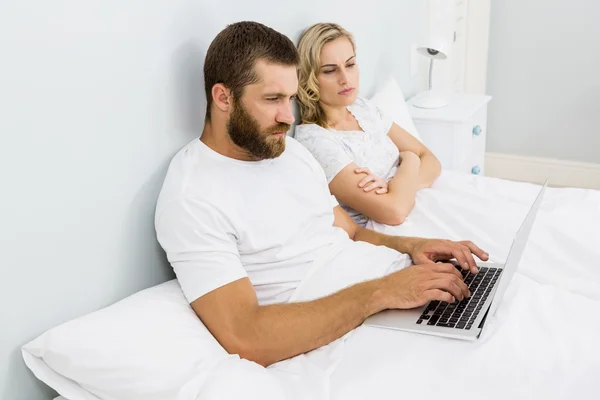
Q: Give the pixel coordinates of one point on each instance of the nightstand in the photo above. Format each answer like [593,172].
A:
[456,134]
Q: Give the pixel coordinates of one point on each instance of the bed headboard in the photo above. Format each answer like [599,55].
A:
[96,98]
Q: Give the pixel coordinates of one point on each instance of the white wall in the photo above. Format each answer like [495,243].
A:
[544,76]
[95,99]
[477,44]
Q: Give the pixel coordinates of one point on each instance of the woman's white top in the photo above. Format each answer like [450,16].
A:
[370,148]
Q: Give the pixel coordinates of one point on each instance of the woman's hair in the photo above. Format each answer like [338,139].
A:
[309,49]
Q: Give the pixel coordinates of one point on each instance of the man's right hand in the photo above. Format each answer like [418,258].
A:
[417,285]
[269,333]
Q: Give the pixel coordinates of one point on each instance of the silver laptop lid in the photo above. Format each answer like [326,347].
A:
[516,250]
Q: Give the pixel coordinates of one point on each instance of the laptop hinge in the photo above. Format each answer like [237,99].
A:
[482,323]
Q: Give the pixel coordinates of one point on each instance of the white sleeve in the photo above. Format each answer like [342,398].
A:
[379,119]
[330,153]
[385,120]
[201,246]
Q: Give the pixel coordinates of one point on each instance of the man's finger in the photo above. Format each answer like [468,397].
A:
[449,285]
[440,295]
[470,260]
[463,286]
[443,256]
[457,253]
[447,268]
[463,257]
[454,281]
[482,255]
[457,277]
[422,259]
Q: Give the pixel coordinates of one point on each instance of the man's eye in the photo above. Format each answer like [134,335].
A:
[272,98]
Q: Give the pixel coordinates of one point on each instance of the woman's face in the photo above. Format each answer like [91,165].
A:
[338,73]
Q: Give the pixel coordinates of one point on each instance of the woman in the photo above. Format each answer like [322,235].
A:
[374,167]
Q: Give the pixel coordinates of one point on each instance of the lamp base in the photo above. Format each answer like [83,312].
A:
[429,100]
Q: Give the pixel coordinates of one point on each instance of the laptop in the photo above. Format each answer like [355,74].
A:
[465,319]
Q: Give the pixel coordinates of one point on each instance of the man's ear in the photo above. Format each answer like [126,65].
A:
[222,97]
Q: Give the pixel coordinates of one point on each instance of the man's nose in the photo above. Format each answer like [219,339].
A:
[285,114]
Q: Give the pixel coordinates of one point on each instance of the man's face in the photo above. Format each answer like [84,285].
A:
[262,116]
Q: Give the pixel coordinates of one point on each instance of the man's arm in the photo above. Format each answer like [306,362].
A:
[421,250]
[201,249]
[267,334]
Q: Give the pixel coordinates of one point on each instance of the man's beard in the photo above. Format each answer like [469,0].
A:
[244,131]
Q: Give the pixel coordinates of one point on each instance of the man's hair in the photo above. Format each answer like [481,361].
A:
[233,53]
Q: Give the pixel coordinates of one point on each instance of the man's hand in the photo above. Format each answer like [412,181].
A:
[417,285]
[422,251]
[429,251]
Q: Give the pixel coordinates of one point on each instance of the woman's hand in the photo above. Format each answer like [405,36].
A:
[371,181]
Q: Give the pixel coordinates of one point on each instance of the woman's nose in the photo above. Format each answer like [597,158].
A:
[343,78]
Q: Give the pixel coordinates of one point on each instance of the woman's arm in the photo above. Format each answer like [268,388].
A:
[390,208]
[430,165]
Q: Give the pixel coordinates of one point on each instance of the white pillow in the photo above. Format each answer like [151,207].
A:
[148,346]
[390,100]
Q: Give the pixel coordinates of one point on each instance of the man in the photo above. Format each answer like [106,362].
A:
[245,211]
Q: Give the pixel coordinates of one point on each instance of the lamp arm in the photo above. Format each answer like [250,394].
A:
[430,73]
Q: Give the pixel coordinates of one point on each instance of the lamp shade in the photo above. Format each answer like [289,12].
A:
[435,48]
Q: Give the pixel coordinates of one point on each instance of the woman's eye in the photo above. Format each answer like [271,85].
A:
[272,99]
[329,71]
[350,66]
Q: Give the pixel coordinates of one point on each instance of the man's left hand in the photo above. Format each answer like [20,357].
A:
[429,251]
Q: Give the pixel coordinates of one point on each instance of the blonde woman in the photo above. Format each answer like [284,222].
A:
[373,166]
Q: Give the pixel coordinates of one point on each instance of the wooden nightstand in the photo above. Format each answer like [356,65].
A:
[456,134]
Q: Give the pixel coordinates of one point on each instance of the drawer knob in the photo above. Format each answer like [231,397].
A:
[476,170]
[476,130]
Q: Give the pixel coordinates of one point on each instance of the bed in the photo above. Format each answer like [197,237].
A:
[542,342]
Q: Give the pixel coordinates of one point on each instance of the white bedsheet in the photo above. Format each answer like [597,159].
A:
[543,340]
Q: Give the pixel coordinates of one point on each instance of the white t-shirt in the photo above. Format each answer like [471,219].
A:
[371,148]
[221,219]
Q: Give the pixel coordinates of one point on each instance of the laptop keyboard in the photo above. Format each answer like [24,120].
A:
[462,314]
